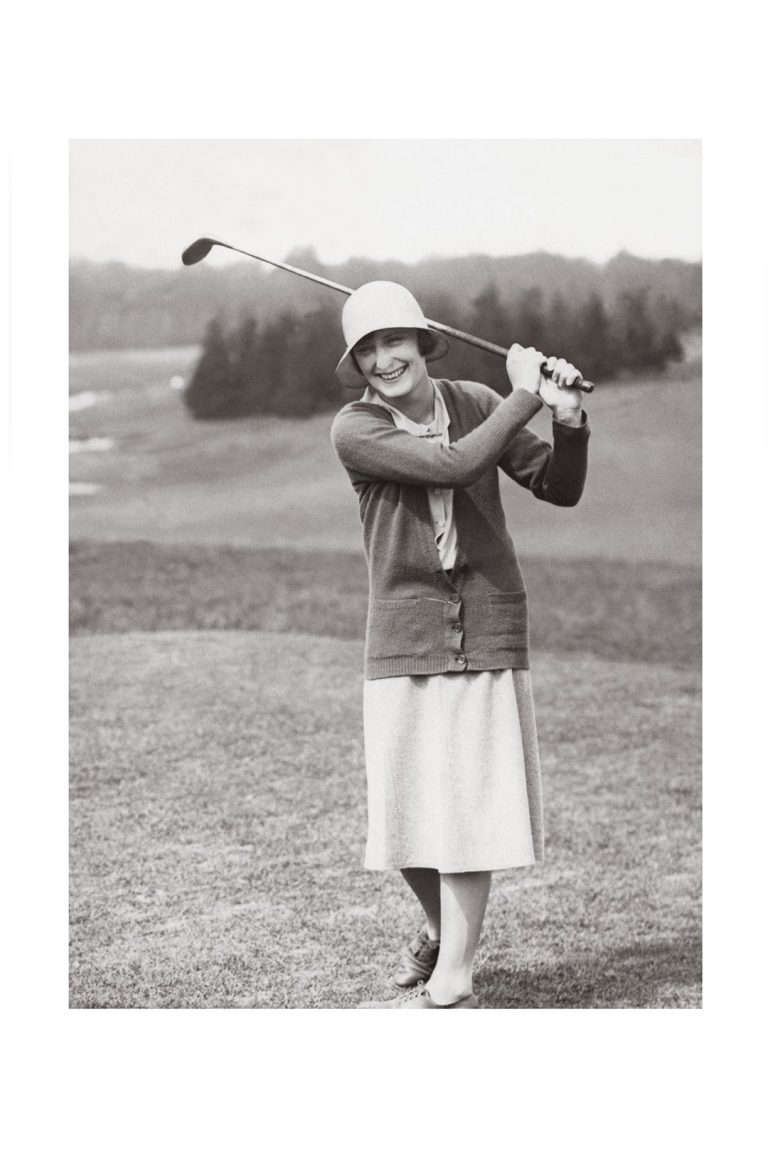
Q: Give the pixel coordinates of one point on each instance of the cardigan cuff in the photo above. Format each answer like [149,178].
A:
[569,431]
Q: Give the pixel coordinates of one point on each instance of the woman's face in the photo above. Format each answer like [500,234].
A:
[391,362]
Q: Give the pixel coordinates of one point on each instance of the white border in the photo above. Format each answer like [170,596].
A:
[194,1079]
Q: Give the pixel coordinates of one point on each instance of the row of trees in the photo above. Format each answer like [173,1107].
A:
[286,367]
[116,306]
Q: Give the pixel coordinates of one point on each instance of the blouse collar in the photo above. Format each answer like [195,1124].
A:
[438,424]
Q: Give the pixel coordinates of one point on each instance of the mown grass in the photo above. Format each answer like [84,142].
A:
[278,483]
[614,609]
[218,802]
[129,370]
[218,817]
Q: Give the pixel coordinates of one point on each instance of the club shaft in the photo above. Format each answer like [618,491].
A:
[289,268]
[454,333]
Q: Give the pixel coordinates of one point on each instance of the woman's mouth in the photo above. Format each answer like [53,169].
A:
[390,377]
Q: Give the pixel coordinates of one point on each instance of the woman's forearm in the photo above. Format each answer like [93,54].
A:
[368,444]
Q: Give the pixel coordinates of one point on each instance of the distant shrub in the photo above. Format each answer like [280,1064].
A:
[212,391]
[286,367]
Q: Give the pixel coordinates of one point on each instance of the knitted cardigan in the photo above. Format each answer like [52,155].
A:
[421,621]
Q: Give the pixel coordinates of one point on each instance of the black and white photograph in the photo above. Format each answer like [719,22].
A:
[385,573]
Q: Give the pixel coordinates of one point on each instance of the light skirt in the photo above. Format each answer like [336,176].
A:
[454,781]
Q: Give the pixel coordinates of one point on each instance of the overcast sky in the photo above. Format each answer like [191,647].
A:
[142,201]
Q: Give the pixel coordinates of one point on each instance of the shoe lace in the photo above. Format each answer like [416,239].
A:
[415,992]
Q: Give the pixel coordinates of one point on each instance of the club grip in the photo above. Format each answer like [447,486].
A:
[582,385]
[497,350]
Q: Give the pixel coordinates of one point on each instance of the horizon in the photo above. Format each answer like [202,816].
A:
[224,260]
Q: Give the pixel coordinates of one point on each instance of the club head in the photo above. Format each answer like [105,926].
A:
[198,250]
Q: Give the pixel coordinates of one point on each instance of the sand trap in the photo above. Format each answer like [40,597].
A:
[80,488]
[92,444]
[82,400]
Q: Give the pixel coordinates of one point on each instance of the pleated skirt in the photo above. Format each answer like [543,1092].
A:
[452,764]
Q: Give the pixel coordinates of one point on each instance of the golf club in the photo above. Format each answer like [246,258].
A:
[199,249]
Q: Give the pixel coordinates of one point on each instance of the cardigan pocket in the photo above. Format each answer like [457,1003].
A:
[411,627]
[505,621]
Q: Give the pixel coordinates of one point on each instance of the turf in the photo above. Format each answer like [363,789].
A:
[217,823]
[277,483]
[218,802]
[616,609]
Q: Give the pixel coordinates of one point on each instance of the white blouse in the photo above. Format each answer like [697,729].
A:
[440,499]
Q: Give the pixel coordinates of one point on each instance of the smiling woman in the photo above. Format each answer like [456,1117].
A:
[399,351]
[393,362]
[454,788]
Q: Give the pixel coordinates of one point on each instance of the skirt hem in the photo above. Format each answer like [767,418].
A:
[452,869]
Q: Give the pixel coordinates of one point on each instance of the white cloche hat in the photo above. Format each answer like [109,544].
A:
[380,304]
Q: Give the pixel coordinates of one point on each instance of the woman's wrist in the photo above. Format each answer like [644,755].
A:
[570,416]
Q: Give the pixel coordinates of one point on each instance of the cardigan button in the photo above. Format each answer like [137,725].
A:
[455,597]
[459,659]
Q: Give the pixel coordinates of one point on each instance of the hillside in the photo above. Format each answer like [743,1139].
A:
[172,479]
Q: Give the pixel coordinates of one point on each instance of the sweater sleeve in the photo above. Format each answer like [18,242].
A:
[370,446]
[553,472]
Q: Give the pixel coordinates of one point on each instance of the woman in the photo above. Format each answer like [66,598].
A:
[454,789]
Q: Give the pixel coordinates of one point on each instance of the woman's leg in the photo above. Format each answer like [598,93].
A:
[463,897]
[425,882]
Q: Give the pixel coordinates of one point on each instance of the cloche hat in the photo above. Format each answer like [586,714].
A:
[380,304]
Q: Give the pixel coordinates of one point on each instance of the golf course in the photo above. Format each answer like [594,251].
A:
[217,820]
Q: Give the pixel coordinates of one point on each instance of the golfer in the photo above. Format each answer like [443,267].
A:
[452,764]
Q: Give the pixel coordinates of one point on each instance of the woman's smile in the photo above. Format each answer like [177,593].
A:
[394,366]
[390,377]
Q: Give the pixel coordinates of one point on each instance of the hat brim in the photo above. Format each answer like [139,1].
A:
[350,376]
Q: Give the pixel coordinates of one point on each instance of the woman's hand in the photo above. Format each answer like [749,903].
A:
[558,393]
[524,368]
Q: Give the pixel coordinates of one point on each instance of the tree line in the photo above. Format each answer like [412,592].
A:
[285,366]
[117,306]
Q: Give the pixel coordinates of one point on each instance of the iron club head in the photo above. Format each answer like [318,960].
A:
[199,249]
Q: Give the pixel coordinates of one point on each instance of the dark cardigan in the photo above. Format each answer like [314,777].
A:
[420,620]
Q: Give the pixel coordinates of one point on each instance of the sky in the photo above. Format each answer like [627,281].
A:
[143,201]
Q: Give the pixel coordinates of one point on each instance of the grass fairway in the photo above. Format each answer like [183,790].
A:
[277,483]
[216,863]
[218,598]
[625,611]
